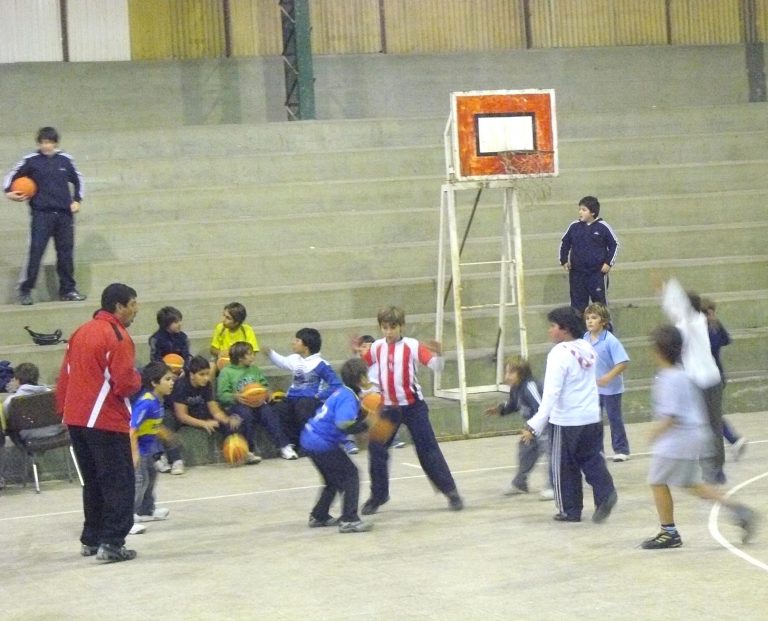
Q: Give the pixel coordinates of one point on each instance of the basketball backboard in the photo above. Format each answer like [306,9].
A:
[501,135]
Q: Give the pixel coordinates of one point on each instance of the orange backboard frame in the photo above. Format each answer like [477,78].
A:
[503,135]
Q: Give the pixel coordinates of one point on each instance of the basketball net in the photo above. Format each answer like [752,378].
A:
[529,173]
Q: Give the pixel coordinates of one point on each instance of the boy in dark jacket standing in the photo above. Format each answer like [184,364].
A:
[53,210]
[588,251]
[97,378]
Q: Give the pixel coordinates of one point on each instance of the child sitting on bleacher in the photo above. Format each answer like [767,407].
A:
[240,372]
[313,382]
[195,406]
[169,339]
[232,329]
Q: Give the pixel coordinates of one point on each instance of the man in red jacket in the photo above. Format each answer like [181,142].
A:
[97,378]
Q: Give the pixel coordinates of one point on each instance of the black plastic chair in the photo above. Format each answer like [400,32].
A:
[34,427]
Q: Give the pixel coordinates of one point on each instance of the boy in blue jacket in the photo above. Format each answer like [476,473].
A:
[588,251]
[322,439]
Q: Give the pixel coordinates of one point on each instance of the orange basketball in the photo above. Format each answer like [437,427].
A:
[253,395]
[174,362]
[234,449]
[380,429]
[371,402]
[222,361]
[25,185]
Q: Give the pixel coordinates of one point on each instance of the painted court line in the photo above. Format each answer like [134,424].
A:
[714,530]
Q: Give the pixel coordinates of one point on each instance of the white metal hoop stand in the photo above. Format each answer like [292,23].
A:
[511,289]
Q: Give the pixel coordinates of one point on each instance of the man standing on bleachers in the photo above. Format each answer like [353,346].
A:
[97,378]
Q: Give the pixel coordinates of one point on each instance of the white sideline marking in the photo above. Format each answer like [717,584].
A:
[718,536]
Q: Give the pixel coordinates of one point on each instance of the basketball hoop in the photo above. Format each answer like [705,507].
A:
[529,173]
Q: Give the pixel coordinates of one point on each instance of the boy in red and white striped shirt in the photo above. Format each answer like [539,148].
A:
[397,357]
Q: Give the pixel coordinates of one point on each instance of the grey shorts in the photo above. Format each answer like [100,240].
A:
[676,472]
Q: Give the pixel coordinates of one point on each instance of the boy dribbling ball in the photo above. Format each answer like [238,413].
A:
[680,437]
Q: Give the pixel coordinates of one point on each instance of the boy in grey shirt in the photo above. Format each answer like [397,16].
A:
[680,438]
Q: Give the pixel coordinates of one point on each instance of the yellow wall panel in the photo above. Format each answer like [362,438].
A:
[705,22]
[176,29]
[349,27]
[577,23]
[762,20]
[453,25]
[256,28]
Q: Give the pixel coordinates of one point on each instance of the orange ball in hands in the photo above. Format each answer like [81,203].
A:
[174,362]
[253,395]
[24,185]
[234,449]
[380,429]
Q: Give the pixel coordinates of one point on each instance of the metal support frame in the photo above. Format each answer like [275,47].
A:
[511,290]
[297,60]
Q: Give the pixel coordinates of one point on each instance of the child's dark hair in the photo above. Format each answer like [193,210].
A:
[391,315]
[367,338]
[668,341]
[237,312]
[352,373]
[168,315]
[521,366]
[238,351]
[153,373]
[591,203]
[47,133]
[198,363]
[568,320]
[311,338]
[27,373]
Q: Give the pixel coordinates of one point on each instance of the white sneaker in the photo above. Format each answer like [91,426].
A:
[287,452]
[137,529]
[738,448]
[177,467]
[252,458]
[620,457]
[162,465]
[547,494]
[160,513]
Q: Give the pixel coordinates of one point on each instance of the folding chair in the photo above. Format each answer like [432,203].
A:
[34,427]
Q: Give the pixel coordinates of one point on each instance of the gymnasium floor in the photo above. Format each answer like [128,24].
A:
[237,547]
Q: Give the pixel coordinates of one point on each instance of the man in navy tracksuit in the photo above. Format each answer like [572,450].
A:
[588,251]
[52,209]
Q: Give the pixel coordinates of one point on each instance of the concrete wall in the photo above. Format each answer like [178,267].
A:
[111,95]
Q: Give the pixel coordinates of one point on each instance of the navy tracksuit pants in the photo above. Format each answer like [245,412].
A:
[46,224]
[416,417]
[577,450]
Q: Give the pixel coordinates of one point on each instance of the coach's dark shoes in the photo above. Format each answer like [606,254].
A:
[663,540]
[114,554]
[25,299]
[372,505]
[88,550]
[604,510]
[72,296]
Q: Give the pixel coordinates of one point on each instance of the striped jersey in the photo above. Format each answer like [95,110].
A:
[397,368]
